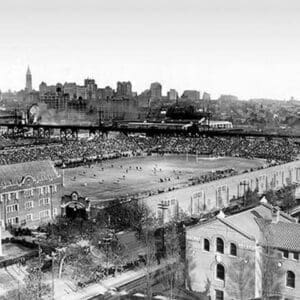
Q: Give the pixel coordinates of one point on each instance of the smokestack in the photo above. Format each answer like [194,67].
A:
[275,214]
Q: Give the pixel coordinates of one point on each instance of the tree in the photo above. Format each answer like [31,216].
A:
[174,270]
[271,271]
[147,236]
[242,277]
[35,287]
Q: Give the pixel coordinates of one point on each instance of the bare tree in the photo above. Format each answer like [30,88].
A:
[35,286]
[175,267]
[242,277]
[270,265]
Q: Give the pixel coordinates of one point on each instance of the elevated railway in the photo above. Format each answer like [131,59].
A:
[70,132]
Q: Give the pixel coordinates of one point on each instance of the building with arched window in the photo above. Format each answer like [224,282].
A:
[235,253]
[290,279]
[219,245]
[30,194]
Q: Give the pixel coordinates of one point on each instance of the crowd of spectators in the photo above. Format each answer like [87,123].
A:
[279,150]
[69,150]
[272,149]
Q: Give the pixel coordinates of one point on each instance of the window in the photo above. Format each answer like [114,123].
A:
[44,214]
[206,244]
[4,197]
[290,279]
[29,217]
[220,245]
[219,295]
[220,272]
[285,254]
[45,190]
[55,211]
[54,188]
[12,208]
[13,196]
[38,191]
[14,220]
[28,193]
[28,205]
[233,249]
[46,201]
[296,255]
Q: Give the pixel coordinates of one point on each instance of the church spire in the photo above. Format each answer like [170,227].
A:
[28,86]
[28,71]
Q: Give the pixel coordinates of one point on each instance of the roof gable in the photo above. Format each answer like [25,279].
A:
[17,174]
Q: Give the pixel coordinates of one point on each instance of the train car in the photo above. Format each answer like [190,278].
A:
[153,125]
[220,125]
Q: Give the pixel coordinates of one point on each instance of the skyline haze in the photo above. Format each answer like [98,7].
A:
[246,48]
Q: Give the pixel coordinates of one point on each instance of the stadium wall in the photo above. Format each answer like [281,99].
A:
[195,199]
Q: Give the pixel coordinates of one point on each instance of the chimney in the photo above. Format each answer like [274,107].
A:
[275,214]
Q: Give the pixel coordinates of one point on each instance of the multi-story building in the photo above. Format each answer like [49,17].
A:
[105,93]
[124,89]
[91,89]
[172,95]
[30,193]
[206,96]
[28,87]
[118,109]
[70,88]
[251,254]
[81,92]
[192,95]
[155,90]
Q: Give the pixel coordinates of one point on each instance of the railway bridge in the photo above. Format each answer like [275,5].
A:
[71,131]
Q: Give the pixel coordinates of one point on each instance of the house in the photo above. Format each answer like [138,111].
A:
[30,193]
[252,254]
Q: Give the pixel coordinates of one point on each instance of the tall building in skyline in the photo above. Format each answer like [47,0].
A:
[172,95]
[28,87]
[124,88]
[191,95]
[156,90]
[91,88]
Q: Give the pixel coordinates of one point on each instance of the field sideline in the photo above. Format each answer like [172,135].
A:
[121,177]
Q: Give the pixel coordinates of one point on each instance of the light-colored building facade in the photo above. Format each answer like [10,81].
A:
[248,255]
[193,199]
[172,95]
[30,193]
[191,95]
[156,90]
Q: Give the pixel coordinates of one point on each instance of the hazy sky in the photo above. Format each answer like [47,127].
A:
[246,48]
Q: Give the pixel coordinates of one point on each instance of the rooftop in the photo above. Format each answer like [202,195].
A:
[260,223]
[17,173]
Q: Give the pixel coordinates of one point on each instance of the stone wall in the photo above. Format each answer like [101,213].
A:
[216,194]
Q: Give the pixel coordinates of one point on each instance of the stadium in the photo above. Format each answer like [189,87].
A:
[144,175]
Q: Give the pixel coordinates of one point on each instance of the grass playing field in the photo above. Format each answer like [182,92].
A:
[134,175]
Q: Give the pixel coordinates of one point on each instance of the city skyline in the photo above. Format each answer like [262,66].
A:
[248,49]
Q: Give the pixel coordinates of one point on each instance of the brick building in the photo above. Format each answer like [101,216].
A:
[30,193]
[252,254]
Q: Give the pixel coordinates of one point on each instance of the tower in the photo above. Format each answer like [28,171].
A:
[28,87]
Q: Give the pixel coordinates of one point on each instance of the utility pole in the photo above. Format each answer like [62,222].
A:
[1,253]
[163,206]
[244,184]
[52,269]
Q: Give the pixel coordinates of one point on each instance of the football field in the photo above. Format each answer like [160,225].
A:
[128,176]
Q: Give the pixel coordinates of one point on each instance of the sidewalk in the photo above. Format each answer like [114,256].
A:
[67,290]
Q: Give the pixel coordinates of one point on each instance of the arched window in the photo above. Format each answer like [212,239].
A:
[290,279]
[233,249]
[220,245]
[206,244]
[220,272]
